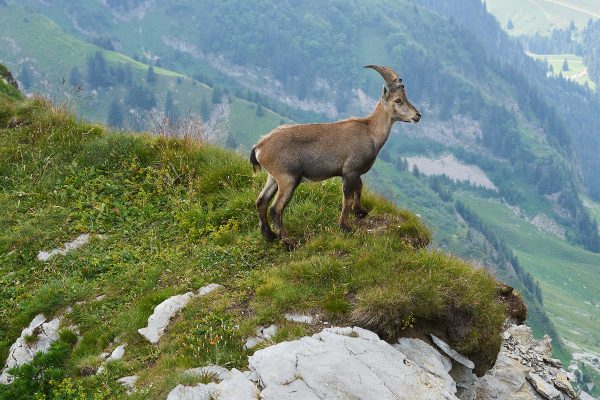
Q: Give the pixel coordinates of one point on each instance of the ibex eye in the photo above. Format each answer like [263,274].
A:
[399,101]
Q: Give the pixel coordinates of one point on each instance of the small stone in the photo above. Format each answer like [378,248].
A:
[303,319]
[129,383]
[543,387]
[269,332]
[67,247]
[456,356]
[211,287]
[561,382]
[161,317]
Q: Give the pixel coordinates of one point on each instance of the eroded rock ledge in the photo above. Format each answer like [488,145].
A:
[341,363]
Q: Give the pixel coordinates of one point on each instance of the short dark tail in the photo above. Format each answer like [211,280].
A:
[255,164]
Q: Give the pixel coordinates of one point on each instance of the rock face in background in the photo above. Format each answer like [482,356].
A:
[353,363]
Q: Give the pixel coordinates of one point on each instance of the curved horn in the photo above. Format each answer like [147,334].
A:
[392,80]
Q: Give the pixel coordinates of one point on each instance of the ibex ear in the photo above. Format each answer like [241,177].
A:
[385,94]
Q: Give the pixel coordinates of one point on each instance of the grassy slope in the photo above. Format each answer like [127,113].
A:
[567,274]
[30,36]
[541,16]
[177,215]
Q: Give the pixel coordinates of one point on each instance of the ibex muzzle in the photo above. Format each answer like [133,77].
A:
[348,148]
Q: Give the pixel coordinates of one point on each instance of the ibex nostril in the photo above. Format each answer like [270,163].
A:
[419,114]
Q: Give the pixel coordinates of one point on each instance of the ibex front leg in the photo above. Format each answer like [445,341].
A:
[350,183]
[359,210]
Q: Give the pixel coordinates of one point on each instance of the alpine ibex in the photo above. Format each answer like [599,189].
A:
[347,148]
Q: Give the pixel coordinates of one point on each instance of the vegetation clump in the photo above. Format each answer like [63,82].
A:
[175,215]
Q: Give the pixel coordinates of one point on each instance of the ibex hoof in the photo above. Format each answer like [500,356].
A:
[289,243]
[269,235]
[346,228]
[361,213]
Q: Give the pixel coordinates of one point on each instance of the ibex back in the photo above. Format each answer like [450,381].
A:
[347,148]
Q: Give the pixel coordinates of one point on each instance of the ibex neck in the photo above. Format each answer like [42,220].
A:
[380,124]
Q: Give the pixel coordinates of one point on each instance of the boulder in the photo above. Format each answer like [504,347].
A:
[37,337]
[340,363]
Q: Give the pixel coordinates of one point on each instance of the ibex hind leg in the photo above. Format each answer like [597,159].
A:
[262,205]
[359,211]
[286,185]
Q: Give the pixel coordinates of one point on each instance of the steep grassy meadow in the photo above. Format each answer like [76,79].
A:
[172,215]
[541,16]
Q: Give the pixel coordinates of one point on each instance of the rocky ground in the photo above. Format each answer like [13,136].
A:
[342,363]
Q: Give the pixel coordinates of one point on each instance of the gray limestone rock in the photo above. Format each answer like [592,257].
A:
[161,317]
[37,337]
[236,386]
[343,363]
[427,358]
[544,388]
[67,247]
[456,356]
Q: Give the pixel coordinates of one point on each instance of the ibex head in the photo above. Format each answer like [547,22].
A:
[393,98]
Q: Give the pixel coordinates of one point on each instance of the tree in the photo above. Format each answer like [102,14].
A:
[170,111]
[97,71]
[510,26]
[75,78]
[141,97]
[217,95]
[25,76]
[260,111]
[115,114]
[204,109]
[151,76]
[565,66]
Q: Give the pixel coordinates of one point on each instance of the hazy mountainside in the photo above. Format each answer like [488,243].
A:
[484,101]
[108,86]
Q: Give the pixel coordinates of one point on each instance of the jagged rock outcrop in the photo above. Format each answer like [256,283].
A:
[525,369]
